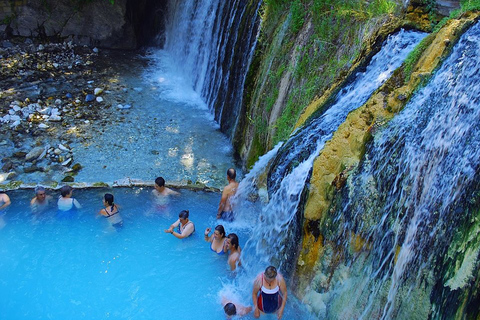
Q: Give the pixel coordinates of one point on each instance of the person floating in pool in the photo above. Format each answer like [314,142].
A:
[162,193]
[4,203]
[218,239]
[269,293]
[185,226]
[225,210]
[234,308]
[66,203]
[41,201]
[232,245]
[111,211]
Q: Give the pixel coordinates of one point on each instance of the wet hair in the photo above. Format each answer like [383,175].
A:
[271,272]
[183,214]
[220,229]
[160,182]
[39,189]
[231,173]
[109,199]
[65,190]
[233,240]
[230,309]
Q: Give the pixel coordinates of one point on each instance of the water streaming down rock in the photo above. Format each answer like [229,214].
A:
[413,204]
[213,42]
[278,232]
[320,129]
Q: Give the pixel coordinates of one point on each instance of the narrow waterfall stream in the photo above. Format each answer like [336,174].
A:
[409,201]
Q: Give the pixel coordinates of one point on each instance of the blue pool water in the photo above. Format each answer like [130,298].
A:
[83,269]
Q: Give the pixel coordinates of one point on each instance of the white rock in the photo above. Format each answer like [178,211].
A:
[16,123]
[57,151]
[55,118]
[97,91]
[55,65]
[46,110]
[90,81]
[41,47]
[42,126]
[62,147]
[34,153]
[77,101]
[15,118]
[58,102]
[67,162]
[11,111]
[99,99]
[87,121]
[16,108]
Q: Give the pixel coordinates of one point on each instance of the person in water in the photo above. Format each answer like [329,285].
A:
[185,226]
[66,202]
[162,191]
[232,245]
[269,293]
[41,201]
[217,239]
[111,211]
[4,203]
[234,308]
[225,210]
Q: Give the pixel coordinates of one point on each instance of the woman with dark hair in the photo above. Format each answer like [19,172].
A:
[111,211]
[269,293]
[217,239]
[185,226]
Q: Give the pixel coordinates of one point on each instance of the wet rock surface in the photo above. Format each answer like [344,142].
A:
[52,95]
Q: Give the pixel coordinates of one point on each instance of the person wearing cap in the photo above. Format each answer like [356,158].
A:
[40,202]
[269,293]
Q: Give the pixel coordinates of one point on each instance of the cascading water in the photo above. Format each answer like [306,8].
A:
[408,201]
[277,232]
[211,43]
[319,130]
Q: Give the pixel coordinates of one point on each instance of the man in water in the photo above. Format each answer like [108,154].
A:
[269,293]
[41,200]
[225,210]
[4,203]
[162,193]
[234,251]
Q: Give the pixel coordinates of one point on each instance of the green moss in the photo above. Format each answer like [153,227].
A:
[100,185]
[416,53]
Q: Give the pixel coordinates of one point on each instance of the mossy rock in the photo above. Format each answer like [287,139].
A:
[77,167]
[68,179]
[100,185]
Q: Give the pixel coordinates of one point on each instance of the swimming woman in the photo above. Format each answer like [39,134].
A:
[66,203]
[185,226]
[4,203]
[269,293]
[111,211]
[217,239]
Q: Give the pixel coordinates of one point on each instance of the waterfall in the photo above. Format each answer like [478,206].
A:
[319,130]
[276,232]
[212,43]
[408,200]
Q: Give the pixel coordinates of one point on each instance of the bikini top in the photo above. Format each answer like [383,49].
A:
[270,291]
[221,252]
[111,214]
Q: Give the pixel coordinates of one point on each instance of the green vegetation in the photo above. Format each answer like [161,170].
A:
[309,45]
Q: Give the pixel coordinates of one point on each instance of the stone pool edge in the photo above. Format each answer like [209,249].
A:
[125,182]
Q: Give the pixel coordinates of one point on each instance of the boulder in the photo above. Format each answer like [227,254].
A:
[34,153]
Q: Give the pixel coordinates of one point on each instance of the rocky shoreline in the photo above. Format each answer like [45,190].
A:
[52,95]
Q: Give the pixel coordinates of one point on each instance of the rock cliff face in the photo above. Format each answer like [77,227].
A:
[125,24]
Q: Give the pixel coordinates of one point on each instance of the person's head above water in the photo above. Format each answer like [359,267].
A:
[108,197]
[270,272]
[221,230]
[39,190]
[233,240]
[65,190]
[230,309]
[231,174]
[183,214]
[159,181]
